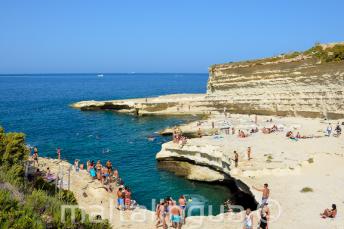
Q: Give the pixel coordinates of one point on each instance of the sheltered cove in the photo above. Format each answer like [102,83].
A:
[296,92]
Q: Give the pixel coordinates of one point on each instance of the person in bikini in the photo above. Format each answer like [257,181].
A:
[160,214]
[58,152]
[264,217]
[298,135]
[127,198]
[266,193]
[99,170]
[35,156]
[182,205]
[109,165]
[329,213]
[169,203]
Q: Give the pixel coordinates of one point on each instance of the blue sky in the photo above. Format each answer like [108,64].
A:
[43,36]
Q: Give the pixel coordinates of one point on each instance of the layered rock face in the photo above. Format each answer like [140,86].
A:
[299,86]
[203,163]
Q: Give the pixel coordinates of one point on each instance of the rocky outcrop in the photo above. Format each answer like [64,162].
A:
[298,84]
[202,163]
[308,84]
[179,104]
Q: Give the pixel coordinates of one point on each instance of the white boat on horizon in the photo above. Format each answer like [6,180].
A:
[100,75]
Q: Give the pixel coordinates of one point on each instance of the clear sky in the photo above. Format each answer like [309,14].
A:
[46,36]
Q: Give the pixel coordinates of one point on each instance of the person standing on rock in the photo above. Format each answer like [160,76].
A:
[248,221]
[264,217]
[329,130]
[266,193]
[160,215]
[58,152]
[182,205]
[120,199]
[236,158]
[199,133]
[176,216]
[35,156]
[249,153]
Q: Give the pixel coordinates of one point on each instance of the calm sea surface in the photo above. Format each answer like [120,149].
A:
[38,106]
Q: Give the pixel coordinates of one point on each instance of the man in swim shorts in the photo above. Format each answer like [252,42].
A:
[266,193]
[176,216]
[120,199]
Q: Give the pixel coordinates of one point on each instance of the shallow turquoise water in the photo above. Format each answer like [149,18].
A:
[38,106]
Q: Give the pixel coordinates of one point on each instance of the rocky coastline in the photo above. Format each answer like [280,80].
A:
[297,92]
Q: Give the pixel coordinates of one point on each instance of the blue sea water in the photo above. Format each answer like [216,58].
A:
[38,105]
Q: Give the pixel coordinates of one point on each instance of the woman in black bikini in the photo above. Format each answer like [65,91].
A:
[329,213]
[264,217]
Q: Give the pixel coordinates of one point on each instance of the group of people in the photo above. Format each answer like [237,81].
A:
[338,130]
[269,130]
[241,134]
[291,135]
[236,156]
[178,136]
[104,173]
[169,212]
[108,175]
[264,210]
[124,201]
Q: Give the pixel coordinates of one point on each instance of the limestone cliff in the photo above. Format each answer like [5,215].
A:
[307,84]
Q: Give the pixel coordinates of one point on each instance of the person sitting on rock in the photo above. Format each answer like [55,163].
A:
[338,129]
[329,213]
[289,134]
[298,135]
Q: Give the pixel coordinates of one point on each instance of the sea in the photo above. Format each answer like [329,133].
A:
[38,105]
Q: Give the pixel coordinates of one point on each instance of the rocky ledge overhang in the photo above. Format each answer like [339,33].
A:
[202,163]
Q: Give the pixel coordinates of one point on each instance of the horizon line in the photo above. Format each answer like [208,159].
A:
[98,73]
